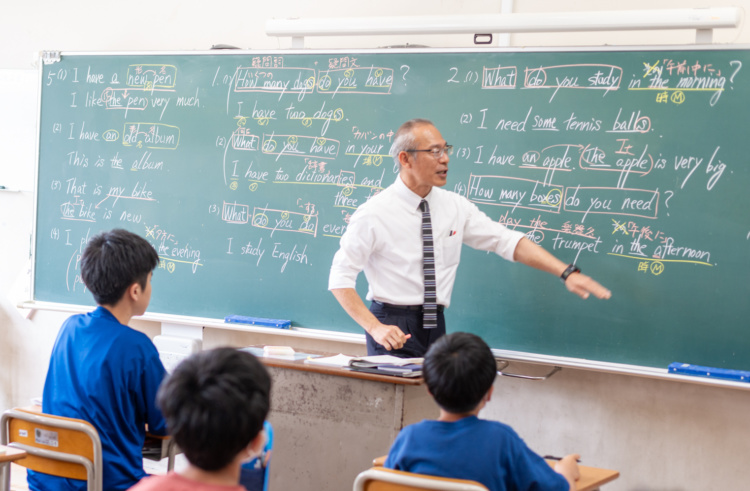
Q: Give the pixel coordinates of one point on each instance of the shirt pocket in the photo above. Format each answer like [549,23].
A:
[451,249]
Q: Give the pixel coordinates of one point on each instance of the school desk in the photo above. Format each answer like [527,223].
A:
[334,415]
[592,478]
[8,455]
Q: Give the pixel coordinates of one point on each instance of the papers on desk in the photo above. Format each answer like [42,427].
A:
[278,352]
[339,361]
[379,360]
[410,371]
[381,364]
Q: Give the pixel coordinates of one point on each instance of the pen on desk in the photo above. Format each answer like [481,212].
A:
[552,457]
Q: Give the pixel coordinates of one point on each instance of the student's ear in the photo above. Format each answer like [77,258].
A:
[485,399]
[489,393]
[134,291]
[254,448]
[256,444]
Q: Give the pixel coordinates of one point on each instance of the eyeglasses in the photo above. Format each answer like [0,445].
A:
[437,152]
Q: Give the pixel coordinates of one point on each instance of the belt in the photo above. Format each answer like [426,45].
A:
[405,307]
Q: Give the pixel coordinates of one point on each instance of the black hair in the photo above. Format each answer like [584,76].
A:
[215,403]
[459,370]
[114,260]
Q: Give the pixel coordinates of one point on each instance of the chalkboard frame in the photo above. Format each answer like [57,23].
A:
[521,356]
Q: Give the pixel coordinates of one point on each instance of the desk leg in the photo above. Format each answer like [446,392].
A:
[4,476]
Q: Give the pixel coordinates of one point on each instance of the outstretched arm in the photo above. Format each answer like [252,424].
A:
[390,337]
[530,254]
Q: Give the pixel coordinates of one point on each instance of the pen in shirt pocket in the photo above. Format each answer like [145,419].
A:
[451,233]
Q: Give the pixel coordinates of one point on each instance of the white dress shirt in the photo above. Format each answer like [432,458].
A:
[384,238]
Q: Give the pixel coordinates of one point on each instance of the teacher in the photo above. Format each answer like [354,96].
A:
[408,239]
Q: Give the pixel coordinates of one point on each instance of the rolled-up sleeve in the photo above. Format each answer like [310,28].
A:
[354,252]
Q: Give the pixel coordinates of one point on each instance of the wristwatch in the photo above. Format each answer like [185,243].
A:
[572,268]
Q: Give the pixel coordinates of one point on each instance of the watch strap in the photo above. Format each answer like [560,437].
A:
[572,268]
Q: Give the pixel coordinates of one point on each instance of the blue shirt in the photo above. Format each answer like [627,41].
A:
[471,448]
[107,374]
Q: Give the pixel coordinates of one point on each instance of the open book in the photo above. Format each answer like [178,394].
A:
[383,364]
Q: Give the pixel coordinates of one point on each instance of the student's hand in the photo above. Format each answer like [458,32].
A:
[568,467]
[390,337]
[583,286]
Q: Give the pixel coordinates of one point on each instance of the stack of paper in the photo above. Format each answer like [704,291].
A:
[382,364]
[389,365]
[339,360]
[378,360]
[398,371]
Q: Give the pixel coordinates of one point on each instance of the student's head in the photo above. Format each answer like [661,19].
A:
[215,403]
[115,260]
[459,370]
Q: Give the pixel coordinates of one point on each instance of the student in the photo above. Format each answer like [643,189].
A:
[215,403]
[101,370]
[459,370]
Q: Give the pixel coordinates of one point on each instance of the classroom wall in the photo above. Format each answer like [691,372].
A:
[660,435]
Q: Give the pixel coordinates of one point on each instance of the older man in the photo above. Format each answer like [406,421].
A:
[408,240]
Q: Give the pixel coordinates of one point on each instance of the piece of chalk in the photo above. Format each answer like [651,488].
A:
[278,351]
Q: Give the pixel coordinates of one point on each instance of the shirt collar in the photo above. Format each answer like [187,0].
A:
[411,198]
[103,312]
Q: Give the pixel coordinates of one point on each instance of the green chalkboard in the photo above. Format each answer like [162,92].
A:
[242,169]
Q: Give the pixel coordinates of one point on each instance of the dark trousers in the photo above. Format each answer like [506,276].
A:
[410,322]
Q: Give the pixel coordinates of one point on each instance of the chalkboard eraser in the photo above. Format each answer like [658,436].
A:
[258,321]
[711,372]
[283,351]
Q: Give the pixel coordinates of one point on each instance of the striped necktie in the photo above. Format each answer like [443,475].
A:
[429,309]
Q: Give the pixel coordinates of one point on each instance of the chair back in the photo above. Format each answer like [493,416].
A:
[382,479]
[64,447]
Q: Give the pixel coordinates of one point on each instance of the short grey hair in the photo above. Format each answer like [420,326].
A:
[405,139]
